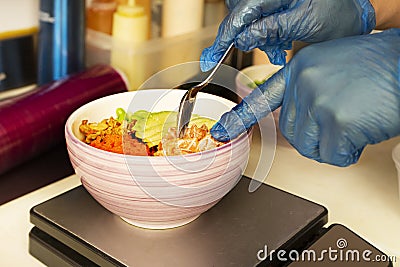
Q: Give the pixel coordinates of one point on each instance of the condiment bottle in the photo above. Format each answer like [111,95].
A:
[130,23]
[99,15]
[147,4]
[130,28]
[180,17]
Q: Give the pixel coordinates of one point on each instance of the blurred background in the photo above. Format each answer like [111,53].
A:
[50,53]
[149,35]
[56,55]
[44,40]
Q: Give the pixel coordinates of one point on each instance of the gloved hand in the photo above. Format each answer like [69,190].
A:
[336,97]
[272,25]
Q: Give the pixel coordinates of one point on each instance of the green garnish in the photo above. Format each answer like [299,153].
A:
[256,83]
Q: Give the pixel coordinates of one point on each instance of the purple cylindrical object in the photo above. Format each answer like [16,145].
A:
[34,122]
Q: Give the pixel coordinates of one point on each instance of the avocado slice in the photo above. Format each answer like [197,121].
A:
[150,125]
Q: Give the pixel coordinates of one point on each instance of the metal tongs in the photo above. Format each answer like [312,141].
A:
[187,102]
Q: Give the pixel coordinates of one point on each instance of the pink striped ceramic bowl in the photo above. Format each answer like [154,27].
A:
[156,192]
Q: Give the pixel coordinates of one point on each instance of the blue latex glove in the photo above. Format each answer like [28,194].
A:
[272,25]
[336,97]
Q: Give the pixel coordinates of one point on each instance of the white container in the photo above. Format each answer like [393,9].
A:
[155,54]
[396,159]
[18,35]
[18,17]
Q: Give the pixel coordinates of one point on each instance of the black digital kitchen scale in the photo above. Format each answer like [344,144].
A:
[243,229]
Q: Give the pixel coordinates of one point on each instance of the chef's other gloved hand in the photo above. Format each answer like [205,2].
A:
[336,97]
[272,25]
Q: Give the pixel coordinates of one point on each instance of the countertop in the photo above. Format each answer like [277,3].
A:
[363,197]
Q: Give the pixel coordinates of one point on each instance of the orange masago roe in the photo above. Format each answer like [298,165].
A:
[109,142]
[107,135]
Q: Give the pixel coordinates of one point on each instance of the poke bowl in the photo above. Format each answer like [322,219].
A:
[155,189]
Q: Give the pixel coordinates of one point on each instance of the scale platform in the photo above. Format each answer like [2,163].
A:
[243,229]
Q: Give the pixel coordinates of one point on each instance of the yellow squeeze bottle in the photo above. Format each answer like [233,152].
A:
[130,28]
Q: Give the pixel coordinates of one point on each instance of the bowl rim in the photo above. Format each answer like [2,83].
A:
[71,118]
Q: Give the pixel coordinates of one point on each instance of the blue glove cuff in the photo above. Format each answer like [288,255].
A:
[368,16]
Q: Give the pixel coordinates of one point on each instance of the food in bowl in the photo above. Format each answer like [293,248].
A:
[141,133]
